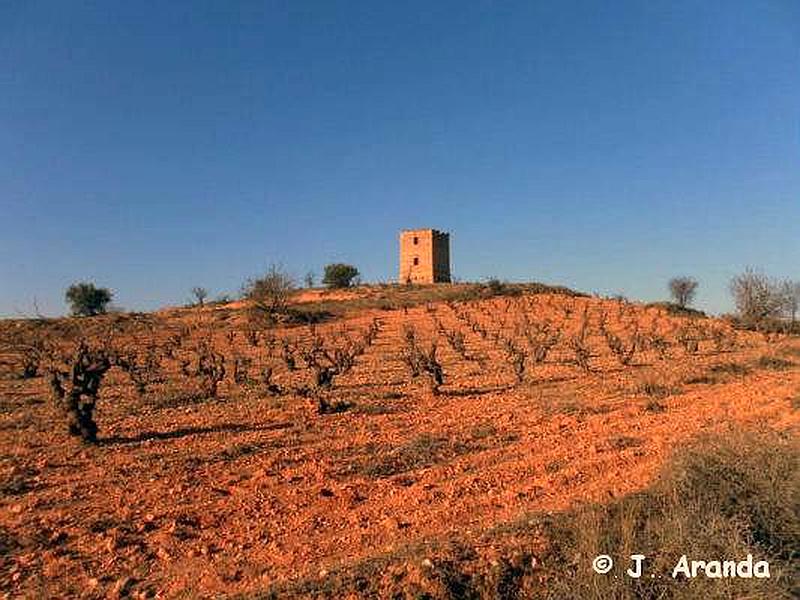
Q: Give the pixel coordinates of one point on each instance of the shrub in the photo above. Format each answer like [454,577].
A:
[622,351]
[655,389]
[730,368]
[75,385]
[580,349]
[210,369]
[87,300]
[339,275]
[495,286]
[142,366]
[419,361]
[775,363]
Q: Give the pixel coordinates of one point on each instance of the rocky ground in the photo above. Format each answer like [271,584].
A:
[186,496]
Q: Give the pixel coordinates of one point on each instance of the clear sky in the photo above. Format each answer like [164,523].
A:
[603,145]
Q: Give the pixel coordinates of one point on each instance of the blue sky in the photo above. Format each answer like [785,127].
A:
[153,146]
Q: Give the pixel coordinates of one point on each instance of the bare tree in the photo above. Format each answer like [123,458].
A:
[200,294]
[757,296]
[309,279]
[683,290]
[271,291]
[790,290]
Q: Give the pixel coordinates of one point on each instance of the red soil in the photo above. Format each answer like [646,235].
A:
[231,495]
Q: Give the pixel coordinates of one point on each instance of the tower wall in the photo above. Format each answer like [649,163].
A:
[424,256]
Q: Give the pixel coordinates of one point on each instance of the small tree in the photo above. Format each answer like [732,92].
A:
[757,297]
[200,294]
[87,300]
[790,290]
[683,290]
[309,279]
[271,292]
[339,275]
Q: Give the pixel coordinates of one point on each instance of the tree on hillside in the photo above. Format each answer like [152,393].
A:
[200,294]
[683,290]
[271,291]
[790,290]
[339,275]
[87,300]
[757,297]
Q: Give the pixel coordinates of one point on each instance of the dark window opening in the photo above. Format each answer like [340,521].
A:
[416,241]
[416,260]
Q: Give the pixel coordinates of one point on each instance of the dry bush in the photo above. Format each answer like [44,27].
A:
[657,343]
[270,293]
[516,357]
[775,363]
[758,298]
[287,354]
[457,342]
[623,351]
[688,340]
[75,378]
[579,345]
[655,389]
[31,358]
[273,389]
[29,347]
[422,362]
[329,360]
[730,368]
[143,367]
[541,339]
[720,339]
[241,369]
[209,368]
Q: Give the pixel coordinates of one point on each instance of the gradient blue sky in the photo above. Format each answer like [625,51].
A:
[154,146]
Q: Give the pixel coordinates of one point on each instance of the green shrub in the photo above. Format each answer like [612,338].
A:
[87,300]
[339,275]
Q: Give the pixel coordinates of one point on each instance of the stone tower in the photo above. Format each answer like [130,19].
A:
[424,256]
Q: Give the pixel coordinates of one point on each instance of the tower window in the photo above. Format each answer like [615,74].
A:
[416,241]
[416,259]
